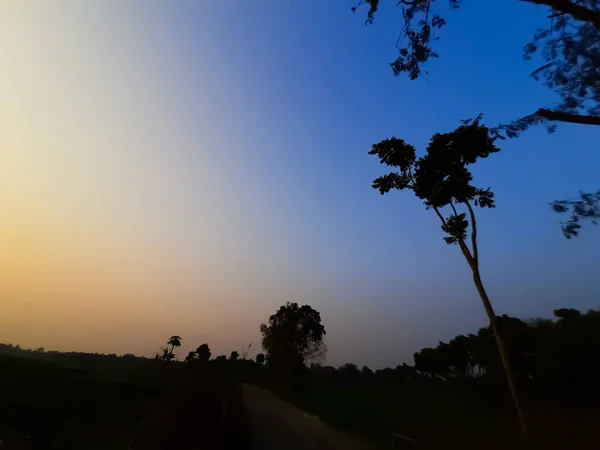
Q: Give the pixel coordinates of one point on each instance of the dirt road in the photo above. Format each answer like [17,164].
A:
[278,425]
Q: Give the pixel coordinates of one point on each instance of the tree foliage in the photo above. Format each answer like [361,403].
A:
[168,354]
[175,341]
[293,335]
[569,46]
[203,353]
[441,178]
[586,207]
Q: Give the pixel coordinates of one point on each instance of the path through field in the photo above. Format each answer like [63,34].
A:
[276,424]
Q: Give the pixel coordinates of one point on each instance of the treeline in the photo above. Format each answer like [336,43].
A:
[553,358]
[73,358]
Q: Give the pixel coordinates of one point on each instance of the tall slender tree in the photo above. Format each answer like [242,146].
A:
[442,180]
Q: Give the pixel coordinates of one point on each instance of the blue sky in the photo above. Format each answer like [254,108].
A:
[239,132]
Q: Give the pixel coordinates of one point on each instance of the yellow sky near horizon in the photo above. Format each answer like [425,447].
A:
[114,232]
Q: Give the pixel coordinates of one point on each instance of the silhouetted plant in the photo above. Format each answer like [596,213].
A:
[191,357]
[174,341]
[442,180]
[260,359]
[587,207]
[293,335]
[203,353]
[167,354]
[234,356]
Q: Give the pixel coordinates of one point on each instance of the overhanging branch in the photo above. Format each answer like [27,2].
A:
[577,11]
[558,116]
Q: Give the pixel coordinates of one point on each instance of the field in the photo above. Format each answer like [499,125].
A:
[47,405]
[438,416]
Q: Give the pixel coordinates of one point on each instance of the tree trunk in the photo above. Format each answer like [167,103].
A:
[510,376]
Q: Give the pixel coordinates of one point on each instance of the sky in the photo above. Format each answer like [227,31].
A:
[188,167]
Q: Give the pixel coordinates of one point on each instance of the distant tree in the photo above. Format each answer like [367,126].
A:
[167,354]
[293,334]
[192,356]
[442,180]
[367,373]
[234,356]
[404,372]
[567,313]
[260,359]
[221,358]
[203,353]
[350,373]
[174,341]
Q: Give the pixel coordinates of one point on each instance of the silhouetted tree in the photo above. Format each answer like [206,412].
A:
[234,356]
[569,48]
[567,313]
[167,354]
[174,341]
[203,353]
[221,358]
[350,373]
[442,180]
[192,356]
[260,359]
[294,333]
[367,373]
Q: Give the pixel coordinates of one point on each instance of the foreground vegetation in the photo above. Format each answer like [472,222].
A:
[54,400]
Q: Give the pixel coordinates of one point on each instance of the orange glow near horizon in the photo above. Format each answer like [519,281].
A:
[117,230]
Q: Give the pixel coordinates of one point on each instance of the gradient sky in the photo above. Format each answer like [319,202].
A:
[187,167]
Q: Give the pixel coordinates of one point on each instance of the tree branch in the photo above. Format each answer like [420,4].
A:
[454,209]
[473,233]
[473,262]
[566,117]
[577,11]
[437,211]
[463,247]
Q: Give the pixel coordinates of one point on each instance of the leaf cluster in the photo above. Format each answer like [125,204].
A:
[441,177]
[586,207]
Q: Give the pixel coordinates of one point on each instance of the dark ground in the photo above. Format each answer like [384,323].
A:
[277,424]
[44,405]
